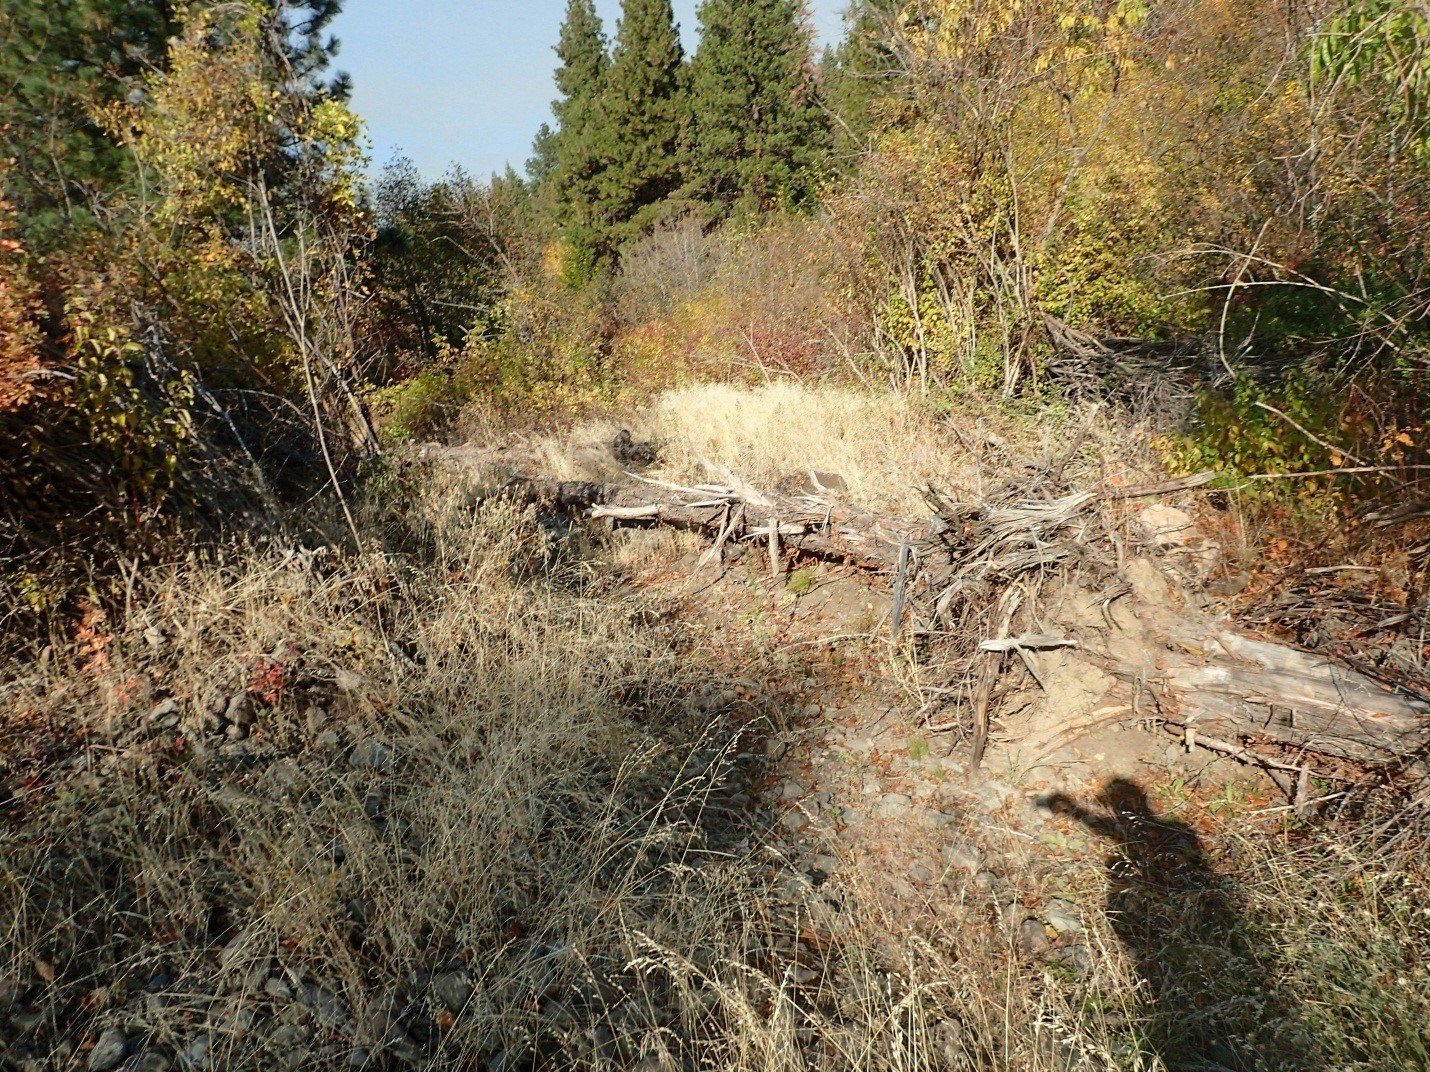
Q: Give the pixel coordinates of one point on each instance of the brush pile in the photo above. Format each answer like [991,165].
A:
[1092,582]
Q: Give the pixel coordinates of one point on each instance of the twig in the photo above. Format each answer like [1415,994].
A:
[991,662]
[1159,487]
[897,622]
[1312,436]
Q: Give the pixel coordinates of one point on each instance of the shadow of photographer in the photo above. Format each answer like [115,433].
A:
[1215,1006]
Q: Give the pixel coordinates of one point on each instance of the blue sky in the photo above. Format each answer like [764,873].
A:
[469,81]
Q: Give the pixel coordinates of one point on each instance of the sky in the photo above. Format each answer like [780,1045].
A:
[469,81]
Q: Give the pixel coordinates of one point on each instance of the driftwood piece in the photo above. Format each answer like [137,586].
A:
[1242,688]
[814,526]
[992,661]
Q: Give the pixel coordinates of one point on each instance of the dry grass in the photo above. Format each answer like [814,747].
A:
[548,853]
[461,767]
[885,446]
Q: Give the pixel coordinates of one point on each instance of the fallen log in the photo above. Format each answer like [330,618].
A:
[1244,688]
[824,529]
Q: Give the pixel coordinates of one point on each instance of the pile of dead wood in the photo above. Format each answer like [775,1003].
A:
[969,578]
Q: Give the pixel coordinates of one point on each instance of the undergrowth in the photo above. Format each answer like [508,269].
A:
[458,803]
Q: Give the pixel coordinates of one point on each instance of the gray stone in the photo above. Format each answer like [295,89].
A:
[1063,917]
[371,755]
[961,856]
[147,1062]
[792,791]
[1032,938]
[453,990]
[923,874]
[893,806]
[109,1050]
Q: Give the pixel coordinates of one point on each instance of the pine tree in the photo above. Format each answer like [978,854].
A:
[572,152]
[62,64]
[760,131]
[645,117]
[858,73]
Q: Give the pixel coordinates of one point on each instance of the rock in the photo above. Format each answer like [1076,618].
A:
[1062,916]
[960,856]
[893,806]
[239,709]
[164,709]
[371,755]
[109,1050]
[922,874]
[453,990]
[196,1054]
[1032,938]
[792,791]
[328,741]
[147,1062]
[794,821]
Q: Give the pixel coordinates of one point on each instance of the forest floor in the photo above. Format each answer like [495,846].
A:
[513,791]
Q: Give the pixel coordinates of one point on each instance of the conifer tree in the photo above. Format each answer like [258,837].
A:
[645,117]
[572,152]
[859,72]
[760,131]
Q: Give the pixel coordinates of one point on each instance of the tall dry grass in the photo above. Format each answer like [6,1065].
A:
[488,813]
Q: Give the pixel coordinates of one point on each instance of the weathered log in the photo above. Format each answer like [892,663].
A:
[828,530]
[1244,688]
